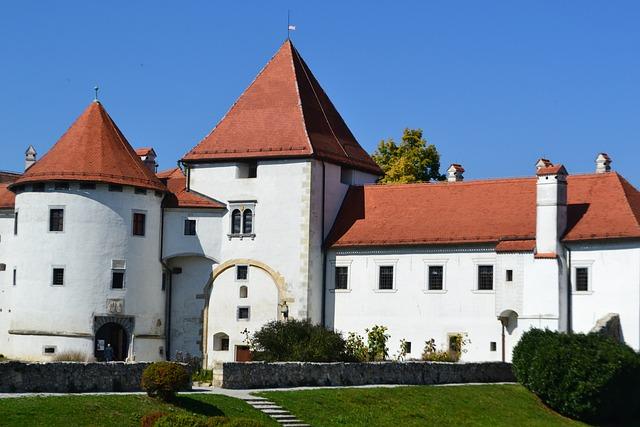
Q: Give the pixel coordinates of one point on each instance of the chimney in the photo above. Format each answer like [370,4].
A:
[454,173]
[603,163]
[551,208]
[148,157]
[543,163]
[29,157]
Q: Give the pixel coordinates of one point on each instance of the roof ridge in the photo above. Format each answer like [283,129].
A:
[631,204]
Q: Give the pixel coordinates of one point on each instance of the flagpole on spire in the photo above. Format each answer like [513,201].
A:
[289,26]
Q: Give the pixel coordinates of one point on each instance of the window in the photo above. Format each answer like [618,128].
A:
[385,278]
[244,292]
[407,347]
[485,277]
[15,277]
[221,342]
[117,279]
[49,349]
[582,279]
[224,344]
[58,277]
[164,280]
[247,221]
[189,227]
[509,277]
[140,191]
[115,187]
[247,169]
[56,219]
[242,272]
[342,278]
[493,346]
[436,275]
[38,188]
[236,220]
[346,175]
[61,186]
[87,185]
[243,313]
[138,224]
[15,223]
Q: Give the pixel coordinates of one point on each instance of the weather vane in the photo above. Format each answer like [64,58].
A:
[96,89]
[289,26]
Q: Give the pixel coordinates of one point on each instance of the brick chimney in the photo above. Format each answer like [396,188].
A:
[454,173]
[551,208]
[603,163]
[30,157]
[148,157]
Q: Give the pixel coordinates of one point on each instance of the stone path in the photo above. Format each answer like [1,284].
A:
[281,415]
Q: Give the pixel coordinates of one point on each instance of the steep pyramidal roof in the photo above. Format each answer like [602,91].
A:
[92,149]
[600,206]
[284,113]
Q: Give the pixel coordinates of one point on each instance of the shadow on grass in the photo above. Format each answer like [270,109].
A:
[197,407]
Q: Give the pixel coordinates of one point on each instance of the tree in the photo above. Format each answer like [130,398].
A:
[411,161]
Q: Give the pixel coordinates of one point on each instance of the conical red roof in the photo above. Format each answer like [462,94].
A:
[284,113]
[92,149]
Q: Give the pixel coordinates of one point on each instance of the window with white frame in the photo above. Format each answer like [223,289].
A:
[485,277]
[385,277]
[243,313]
[242,220]
[57,276]
[435,278]
[341,277]
[56,219]
[581,277]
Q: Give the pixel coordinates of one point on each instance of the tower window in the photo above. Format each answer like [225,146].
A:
[243,313]
[15,223]
[247,169]
[61,186]
[115,187]
[236,221]
[140,191]
[247,221]
[87,185]
[117,279]
[509,277]
[244,292]
[38,188]
[58,277]
[189,227]
[138,224]
[242,272]
[56,219]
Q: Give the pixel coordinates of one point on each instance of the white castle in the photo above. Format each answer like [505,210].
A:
[275,214]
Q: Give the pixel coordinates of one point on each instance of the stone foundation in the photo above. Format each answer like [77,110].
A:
[298,374]
[70,377]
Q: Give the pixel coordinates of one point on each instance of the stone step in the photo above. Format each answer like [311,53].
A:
[275,411]
[261,407]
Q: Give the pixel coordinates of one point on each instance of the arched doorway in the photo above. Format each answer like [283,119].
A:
[115,335]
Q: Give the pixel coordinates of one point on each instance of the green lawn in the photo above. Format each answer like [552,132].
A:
[471,405]
[115,410]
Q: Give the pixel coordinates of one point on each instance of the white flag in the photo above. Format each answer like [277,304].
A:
[292,27]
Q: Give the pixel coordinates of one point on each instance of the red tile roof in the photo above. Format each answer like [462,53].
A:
[8,176]
[179,197]
[284,113]
[551,170]
[92,149]
[7,197]
[144,151]
[527,245]
[601,206]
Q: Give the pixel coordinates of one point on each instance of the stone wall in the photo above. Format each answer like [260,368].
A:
[297,374]
[70,377]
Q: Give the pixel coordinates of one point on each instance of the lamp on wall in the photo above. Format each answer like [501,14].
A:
[284,310]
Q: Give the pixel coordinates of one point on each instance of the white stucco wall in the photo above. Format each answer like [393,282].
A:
[209,234]
[6,288]
[97,230]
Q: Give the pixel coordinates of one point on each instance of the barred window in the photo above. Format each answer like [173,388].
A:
[436,274]
[56,219]
[236,221]
[247,221]
[582,279]
[189,227]
[58,277]
[342,278]
[138,224]
[242,272]
[243,313]
[485,277]
[385,280]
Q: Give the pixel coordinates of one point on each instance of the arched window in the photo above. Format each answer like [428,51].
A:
[247,223]
[243,292]
[236,220]
[221,342]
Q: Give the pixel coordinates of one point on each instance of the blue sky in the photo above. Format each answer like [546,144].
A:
[494,85]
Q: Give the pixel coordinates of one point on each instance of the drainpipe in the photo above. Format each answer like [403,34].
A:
[324,253]
[569,295]
[503,340]
[167,292]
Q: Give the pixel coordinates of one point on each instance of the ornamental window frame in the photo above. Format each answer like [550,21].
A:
[335,264]
[483,262]
[428,263]
[575,265]
[246,210]
[386,263]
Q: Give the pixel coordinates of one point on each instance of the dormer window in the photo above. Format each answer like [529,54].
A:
[247,169]
[242,220]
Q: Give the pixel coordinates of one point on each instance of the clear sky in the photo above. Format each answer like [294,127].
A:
[494,84]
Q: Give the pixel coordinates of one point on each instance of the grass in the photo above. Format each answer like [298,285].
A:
[115,410]
[471,405]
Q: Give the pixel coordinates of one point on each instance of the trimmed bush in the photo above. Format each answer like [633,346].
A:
[149,420]
[297,341]
[164,379]
[189,420]
[588,377]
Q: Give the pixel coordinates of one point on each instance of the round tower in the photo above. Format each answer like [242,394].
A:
[87,273]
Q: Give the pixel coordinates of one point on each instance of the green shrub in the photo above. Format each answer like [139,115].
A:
[432,354]
[377,338]
[297,340]
[589,377]
[355,348]
[164,379]
[189,420]
[202,376]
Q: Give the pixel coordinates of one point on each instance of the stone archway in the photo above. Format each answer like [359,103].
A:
[278,280]
[115,332]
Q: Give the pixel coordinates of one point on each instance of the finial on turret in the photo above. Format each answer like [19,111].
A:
[96,89]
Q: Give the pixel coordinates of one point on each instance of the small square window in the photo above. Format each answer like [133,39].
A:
[61,185]
[582,279]
[509,277]
[140,191]
[253,170]
[58,277]
[485,277]
[493,346]
[49,349]
[385,280]
[138,224]
[189,227]
[56,219]
[117,280]
[436,275]
[243,313]
[115,187]
[242,272]
[87,185]
[342,277]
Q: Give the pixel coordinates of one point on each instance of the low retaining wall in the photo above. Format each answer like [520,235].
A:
[298,374]
[70,377]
